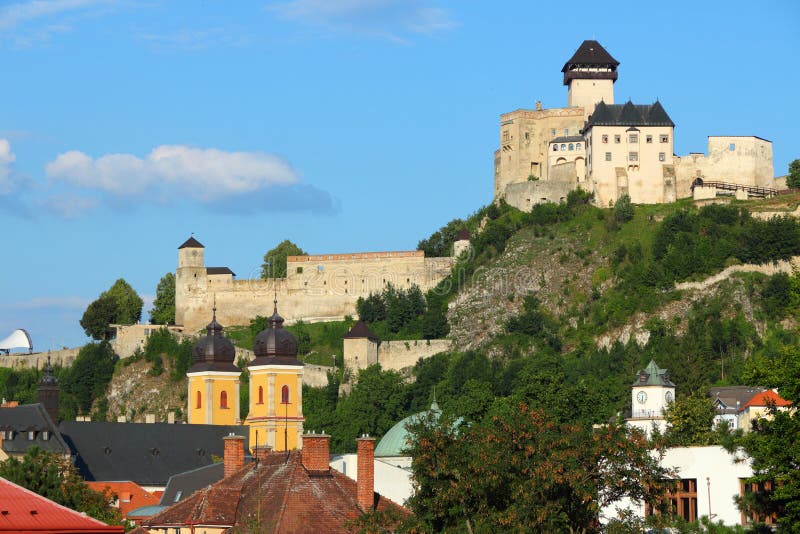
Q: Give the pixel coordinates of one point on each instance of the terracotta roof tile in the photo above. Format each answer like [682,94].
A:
[130,495]
[767,398]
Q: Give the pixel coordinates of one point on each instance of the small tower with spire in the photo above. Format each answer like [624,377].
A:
[213,379]
[276,388]
[651,394]
[48,391]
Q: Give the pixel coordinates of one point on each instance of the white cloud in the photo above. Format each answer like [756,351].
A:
[36,21]
[383,18]
[6,159]
[198,173]
[66,206]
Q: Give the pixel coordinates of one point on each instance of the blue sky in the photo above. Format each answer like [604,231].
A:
[344,125]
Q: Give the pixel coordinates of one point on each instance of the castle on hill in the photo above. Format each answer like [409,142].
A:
[614,149]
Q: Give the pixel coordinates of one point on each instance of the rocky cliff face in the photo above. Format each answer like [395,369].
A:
[133,393]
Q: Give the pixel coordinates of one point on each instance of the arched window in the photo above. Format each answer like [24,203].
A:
[571,146]
[223,399]
[285,395]
[260,395]
[199,403]
[555,148]
[563,147]
[577,146]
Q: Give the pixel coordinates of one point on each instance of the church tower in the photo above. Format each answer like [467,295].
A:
[48,391]
[650,395]
[589,76]
[276,389]
[213,380]
[191,275]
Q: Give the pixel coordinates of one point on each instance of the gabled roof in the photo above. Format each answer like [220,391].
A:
[219,270]
[278,490]
[360,330]
[191,243]
[22,510]
[568,139]
[130,495]
[629,114]
[147,454]
[26,417]
[182,485]
[733,396]
[767,398]
[590,53]
[653,375]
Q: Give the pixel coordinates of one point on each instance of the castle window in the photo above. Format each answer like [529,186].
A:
[285,395]
[260,395]
[648,139]
[506,135]
[553,132]
[555,148]
[563,146]
[198,402]
[223,399]
[662,156]
[605,139]
[617,139]
[527,136]
[633,138]
[633,156]
[299,270]
[663,138]
[608,156]
[571,146]
[566,132]
[577,146]
[732,147]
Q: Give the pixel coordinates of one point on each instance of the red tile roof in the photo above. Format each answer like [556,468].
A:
[767,398]
[279,491]
[23,511]
[130,495]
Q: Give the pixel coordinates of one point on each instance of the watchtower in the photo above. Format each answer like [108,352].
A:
[190,275]
[589,76]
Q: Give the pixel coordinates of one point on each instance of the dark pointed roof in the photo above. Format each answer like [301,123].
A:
[590,62]
[274,345]
[629,114]
[191,243]
[653,375]
[463,235]
[48,379]
[219,270]
[214,352]
[360,330]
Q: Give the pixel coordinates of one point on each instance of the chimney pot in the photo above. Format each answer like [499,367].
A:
[316,453]
[365,480]
[234,454]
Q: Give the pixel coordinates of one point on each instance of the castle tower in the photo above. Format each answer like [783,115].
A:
[462,244]
[650,395]
[360,347]
[589,76]
[213,380]
[276,389]
[191,275]
[48,391]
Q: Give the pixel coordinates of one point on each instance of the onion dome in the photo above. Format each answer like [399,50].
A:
[213,352]
[274,345]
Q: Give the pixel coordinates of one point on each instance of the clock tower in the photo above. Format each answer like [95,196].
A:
[651,393]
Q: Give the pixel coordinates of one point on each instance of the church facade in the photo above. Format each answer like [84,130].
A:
[611,149]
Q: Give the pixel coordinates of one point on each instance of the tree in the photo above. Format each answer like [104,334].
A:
[519,469]
[57,479]
[120,304]
[623,209]
[163,311]
[793,179]
[129,303]
[88,377]
[690,420]
[274,265]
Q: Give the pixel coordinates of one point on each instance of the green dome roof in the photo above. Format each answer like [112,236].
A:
[397,438]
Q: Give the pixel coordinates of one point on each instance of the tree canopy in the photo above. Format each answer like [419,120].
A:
[793,179]
[120,304]
[274,265]
[163,311]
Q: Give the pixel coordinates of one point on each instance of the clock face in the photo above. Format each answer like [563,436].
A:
[668,396]
[641,397]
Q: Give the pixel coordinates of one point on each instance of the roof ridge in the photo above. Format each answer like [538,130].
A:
[288,488]
[45,500]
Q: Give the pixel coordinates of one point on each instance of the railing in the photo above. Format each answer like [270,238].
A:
[752,190]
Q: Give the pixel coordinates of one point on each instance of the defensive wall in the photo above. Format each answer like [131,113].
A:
[37,360]
[316,288]
[362,352]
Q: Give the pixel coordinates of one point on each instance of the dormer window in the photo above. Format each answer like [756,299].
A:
[45,435]
[31,435]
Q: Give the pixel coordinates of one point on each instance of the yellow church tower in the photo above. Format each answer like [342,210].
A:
[213,380]
[276,389]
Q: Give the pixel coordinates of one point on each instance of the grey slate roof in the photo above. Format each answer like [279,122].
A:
[183,485]
[191,243]
[629,114]
[30,417]
[147,454]
[590,53]
[219,270]
[731,398]
[568,139]
[360,330]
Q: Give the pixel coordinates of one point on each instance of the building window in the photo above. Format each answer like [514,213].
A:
[566,132]
[605,139]
[732,147]
[633,138]
[260,395]
[577,146]
[178,495]
[633,156]
[31,435]
[223,399]
[663,138]
[608,156]
[506,135]
[285,395]
[662,156]
[527,136]
[762,489]
[198,402]
[648,139]
[553,132]
[299,270]
[571,146]
[45,435]
[563,147]
[617,139]
[682,500]
[555,148]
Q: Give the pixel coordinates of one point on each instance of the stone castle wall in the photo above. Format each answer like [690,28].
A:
[37,360]
[317,288]
[398,355]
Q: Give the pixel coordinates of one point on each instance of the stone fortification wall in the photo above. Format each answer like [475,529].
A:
[768,268]
[37,360]
[525,195]
[317,288]
[315,376]
[397,355]
[134,336]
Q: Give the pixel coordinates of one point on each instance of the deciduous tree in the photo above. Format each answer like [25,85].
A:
[274,265]
[793,179]
[163,311]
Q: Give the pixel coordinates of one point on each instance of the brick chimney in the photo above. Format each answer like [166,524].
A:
[365,481]
[262,452]
[316,452]
[233,455]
